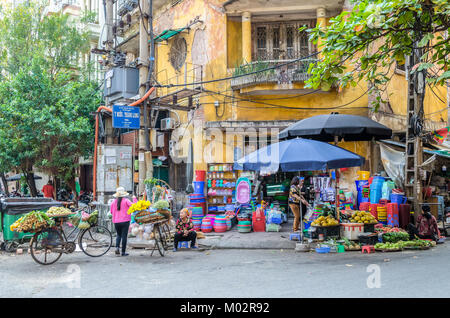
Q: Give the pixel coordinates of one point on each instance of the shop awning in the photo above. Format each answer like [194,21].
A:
[167,34]
[441,153]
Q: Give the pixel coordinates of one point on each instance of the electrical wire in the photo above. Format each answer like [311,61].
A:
[142,17]
[241,75]
[268,105]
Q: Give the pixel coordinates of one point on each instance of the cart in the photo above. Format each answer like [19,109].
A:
[161,233]
[11,209]
[48,244]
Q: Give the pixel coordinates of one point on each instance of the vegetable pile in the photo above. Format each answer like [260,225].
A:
[388,229]
[416,244]
[389,246]
[394,237]
[32,222]
[350,245]
[161,205]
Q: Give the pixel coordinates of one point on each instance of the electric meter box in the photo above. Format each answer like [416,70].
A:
[121,83]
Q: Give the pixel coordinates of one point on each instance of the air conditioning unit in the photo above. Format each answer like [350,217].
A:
[167,124]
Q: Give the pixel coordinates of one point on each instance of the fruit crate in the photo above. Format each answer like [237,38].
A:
[328,231]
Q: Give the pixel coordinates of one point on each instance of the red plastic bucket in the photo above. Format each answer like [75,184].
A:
[200,175]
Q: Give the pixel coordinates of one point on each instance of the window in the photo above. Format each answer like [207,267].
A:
[280,41]
[261,43]
[178,52]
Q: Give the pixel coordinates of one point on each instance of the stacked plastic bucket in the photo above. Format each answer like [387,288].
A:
[392,214]
[220,223]
[376,189]
[244,226]
[197,217]
[206,225]
[382,214]
[197,199]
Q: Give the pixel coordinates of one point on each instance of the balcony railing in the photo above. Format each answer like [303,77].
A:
[296,71]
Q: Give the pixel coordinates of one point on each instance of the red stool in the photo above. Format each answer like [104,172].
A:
[368,248]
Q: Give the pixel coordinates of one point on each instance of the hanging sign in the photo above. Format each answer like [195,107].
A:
[126,117]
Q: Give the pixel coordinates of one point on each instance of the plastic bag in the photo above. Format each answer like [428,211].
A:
[386,190]
[84,225]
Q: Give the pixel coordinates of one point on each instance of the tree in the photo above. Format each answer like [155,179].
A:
[45,97]
[364,44]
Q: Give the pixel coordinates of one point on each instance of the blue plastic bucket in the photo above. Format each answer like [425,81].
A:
[398,198]
[199,187]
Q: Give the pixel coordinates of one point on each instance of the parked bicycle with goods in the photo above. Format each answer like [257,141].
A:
[59,230]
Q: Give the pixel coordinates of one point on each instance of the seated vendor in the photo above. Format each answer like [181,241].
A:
[184,230]
[426,227]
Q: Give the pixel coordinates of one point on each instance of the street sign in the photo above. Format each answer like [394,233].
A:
[126,117]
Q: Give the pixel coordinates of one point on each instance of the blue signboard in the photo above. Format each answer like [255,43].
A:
[126,117]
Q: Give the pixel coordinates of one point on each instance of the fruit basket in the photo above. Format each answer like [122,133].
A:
[148,217]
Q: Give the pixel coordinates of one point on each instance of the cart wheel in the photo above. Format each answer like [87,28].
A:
[2,246]
[47,246]
[95,241]
[11,247]
[158,241]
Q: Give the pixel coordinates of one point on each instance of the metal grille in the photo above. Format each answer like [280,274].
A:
[261,42]
[276,42]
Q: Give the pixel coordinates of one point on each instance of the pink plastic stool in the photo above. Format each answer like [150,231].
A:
[368,248]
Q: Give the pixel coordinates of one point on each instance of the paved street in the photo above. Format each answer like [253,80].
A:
[229,273]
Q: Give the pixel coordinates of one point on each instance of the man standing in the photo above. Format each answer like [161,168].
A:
[48,190]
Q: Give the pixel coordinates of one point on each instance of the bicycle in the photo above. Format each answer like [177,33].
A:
[48,245]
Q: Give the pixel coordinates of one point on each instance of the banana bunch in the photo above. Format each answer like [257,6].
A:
[139,206]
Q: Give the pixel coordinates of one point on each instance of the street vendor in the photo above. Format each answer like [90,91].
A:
[426,227]
[295,199]
[184,230]
[121,218]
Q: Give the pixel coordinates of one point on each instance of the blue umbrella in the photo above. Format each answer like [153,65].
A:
[299,155]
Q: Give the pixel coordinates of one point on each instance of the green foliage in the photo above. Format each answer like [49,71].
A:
[367,42]
[246,68]
[45,97]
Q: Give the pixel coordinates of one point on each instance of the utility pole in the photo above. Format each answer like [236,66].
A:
[145,157]
[414,146]
[147,119]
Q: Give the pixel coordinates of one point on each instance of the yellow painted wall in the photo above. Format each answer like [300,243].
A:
[224,52]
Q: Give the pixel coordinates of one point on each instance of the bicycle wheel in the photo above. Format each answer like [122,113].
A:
[46,247]
[158,240]
[95,241]
[167,235]
[163,236]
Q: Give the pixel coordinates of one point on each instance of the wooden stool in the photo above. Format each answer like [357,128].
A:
[368,248]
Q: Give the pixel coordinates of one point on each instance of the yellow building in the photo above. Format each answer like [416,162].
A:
[201,41]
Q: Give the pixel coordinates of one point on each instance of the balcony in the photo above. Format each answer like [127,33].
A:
[281,79]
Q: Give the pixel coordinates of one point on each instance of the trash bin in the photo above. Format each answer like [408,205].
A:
[11,209]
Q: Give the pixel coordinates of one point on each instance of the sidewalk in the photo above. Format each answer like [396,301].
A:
[254,240]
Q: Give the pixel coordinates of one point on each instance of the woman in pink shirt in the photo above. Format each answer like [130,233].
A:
[120,218]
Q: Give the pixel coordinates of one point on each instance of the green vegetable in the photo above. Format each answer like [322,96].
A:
[161,205]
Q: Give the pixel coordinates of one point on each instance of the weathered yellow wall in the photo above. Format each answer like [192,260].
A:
[223,43]
[234,43]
